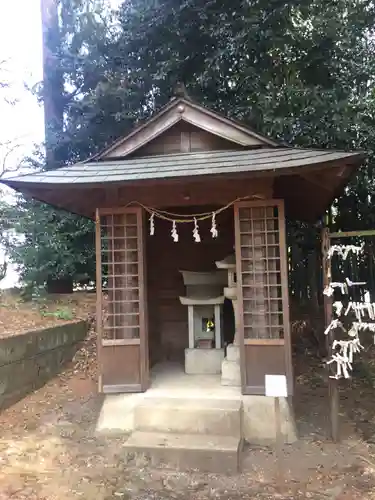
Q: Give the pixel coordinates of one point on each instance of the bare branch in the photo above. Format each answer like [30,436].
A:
[6,157]
[12,155]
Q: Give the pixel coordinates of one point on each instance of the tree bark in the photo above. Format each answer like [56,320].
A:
[313,273]
[53,80]
[60,286]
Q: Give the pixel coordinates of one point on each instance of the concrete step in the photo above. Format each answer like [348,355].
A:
[190,416]
[218,454]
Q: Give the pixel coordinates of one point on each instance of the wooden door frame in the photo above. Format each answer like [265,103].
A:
[286,341]
[143,299]
[131,343]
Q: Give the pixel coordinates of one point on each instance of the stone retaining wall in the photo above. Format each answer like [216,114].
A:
[29,360]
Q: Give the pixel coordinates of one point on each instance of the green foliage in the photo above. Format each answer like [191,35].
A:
[63,314]
[48,243]
[301,71]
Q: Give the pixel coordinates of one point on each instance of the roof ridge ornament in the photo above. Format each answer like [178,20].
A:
[180,91]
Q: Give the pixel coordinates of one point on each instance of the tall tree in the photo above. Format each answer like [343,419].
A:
[302,71]
[297,70]
[55,244]
[53,81]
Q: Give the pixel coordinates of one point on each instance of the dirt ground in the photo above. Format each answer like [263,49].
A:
[18,316]
[49,449]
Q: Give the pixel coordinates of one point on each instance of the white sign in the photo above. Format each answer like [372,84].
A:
[276,386]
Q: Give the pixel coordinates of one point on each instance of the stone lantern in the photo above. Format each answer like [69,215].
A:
[230,368]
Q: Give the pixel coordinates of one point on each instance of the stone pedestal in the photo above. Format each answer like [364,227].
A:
[204,300]
[203,361]
[230,368]
[233,353]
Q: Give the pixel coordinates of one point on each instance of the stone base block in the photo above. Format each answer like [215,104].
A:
[259,420]
[233,353]
[203,361]
[230,373]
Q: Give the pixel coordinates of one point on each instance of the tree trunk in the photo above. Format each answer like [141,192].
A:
[60,285]
[313,281]
[53,81]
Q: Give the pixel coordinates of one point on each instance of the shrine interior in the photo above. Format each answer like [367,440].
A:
[165,259]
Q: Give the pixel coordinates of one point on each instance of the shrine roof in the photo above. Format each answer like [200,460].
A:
[202,147]
[182,165]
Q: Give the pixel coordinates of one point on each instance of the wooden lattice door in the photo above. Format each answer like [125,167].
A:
[122,304]
[264,330]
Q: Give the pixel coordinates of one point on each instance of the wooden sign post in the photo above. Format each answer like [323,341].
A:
[276,387]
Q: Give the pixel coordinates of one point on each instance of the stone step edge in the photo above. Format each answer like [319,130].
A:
[219,455]
[234,405]
[178,441]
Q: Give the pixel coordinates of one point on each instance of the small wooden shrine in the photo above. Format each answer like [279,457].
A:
[179,193]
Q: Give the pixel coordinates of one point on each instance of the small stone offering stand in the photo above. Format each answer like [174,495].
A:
[204,298]
[230,368]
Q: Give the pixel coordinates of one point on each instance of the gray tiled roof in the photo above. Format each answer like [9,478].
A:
[180,165]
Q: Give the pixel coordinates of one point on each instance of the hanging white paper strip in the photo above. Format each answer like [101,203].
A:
[196,234]
[344,358]
[335,323]
[174,232]
[213,229]
[344,250]
[152,224]
[338,307]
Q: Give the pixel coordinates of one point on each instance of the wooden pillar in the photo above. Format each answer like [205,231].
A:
[333,391]
[99,292]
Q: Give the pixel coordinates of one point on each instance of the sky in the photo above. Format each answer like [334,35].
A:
[20,49]
[21,123]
